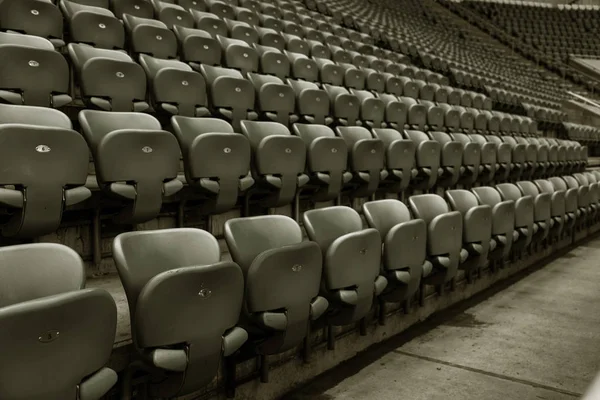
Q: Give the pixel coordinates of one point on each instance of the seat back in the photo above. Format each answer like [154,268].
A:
[47,318]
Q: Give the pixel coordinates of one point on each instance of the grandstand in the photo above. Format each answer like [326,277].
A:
[227,198]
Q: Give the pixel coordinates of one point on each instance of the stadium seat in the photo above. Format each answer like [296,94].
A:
[37,186]
[351,261]
[136,161]
[524,215]
[94,25]
[270,249]
[33,17]
[279,160]
[444,237]
[24,80]
[542,209]
[400,162]
[185,304]
[216,160]
[404,248]
[150,36]
[57,336]
[558,211]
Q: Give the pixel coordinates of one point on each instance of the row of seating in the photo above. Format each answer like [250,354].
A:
[137,162]
[582,133]
[189,308]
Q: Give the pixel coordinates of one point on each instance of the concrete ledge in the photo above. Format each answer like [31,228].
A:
[288,370]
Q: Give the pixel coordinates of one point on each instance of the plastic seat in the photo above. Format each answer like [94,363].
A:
[175,88]
[575,215]
[451,157]
[524,215]
[185,304]
[210,23]
[489,153]
[351,262]
[345,107]
[276,101]
[278,163]
[43,291]
[477,229]
[24,80]
[137,8]
[92,25]
[504,158]
[109,79]
[312,103]
[271,248]
[149,36]
[503,223]
[396,112]
[136,161]
[444,237]
[220,9]
[247,15]
[243,31]
[542,159]
[326,160]
[531,156]
[273,61]
[231,95]
[558,213]
[400,163]
[173,15]
[36,186]
[404,248]
[428,157]
[33,17]
[472,158]
[238,55]
[583,199]
[366,157]
[592,193]
[372,109]
[197,47]
[216,161]
[542,207]
[417,114]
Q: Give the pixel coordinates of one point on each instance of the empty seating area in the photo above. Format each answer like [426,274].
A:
[546,33]
[254,179]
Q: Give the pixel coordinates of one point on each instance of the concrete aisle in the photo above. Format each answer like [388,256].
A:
[539,338]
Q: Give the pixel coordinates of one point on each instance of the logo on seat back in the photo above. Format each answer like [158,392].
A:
[147,149]
[42,148]
[49,336]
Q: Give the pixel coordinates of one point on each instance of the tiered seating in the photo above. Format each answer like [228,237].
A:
[268,108]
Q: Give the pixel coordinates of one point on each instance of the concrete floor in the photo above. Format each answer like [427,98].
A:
[538,338]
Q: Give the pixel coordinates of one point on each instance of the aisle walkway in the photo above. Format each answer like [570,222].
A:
[536,339]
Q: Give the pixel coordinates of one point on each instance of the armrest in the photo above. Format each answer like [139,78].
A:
[233,340]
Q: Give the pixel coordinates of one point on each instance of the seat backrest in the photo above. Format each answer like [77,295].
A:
[428,206]
[461,200]
[327,224]
[487,195]
[545,186]
[528,188]
[383,215]
[558,183]
[509,191]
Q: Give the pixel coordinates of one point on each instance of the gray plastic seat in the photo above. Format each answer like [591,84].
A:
[138,8]
[150,36]
[326,160]
[172,15]
[396,112]
[576,215]
[273,61]
[472,158]
[477,229]
[518,165]
[404,248]
[197,47]
[220,9]
[243,31]
[184,304]
[246,15]
[345,107]
[136,161]
[542,159]
[270,38]
[36,186]
[210,23]
[583,198]
[92,25]
[489,161]
[312,103]
[33,17]
[279,160]
[109,79]
[270,249]
[366,156]
[531,158]
[428,157]
[504,159]
[451,158]
[416,114]
[275,100]
[216,160]
[24,80]
[558,213]
[175,88]
[43,300]
[351,262]
[238,55]
[400,159]
[503,223]
[592,193]
[542,206]
[372,109]
[231,95]
[444,237]
[524,215]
